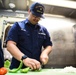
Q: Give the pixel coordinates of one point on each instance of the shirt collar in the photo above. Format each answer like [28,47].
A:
[27,22]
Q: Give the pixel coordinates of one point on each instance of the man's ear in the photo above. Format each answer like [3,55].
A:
[29,11]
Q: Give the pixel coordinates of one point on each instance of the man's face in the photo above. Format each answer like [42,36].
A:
[33,19]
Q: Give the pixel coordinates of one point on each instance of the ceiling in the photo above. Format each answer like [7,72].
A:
[23,5]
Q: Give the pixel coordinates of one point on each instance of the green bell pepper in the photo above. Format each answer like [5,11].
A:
[7,63]
[25,70]
[15,70]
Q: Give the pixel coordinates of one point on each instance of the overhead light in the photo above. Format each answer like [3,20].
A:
[12,5]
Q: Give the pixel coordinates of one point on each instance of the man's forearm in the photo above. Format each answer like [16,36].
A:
[15,52]
[47,50]
[44,57]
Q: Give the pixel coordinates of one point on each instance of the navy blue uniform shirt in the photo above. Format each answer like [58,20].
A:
[29,38]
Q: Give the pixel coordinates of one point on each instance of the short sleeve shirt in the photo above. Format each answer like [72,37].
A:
[29,38]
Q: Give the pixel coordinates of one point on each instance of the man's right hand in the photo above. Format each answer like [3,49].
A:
[32,63]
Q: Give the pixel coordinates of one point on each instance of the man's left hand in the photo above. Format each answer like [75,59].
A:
[44,58]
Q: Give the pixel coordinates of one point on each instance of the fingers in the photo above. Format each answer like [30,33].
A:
[35,64]
[32,63]
[44,59]
[38,66]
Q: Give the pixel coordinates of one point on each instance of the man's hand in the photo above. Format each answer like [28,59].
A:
[32,63]
[44,58]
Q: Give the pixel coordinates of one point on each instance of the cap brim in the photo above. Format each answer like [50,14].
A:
[42,16]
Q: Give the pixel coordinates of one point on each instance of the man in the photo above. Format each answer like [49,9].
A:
[1,56]
[26,39]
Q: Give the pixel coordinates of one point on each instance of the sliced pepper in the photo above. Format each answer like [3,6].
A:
[37,70]
[15,70]
[25,70]
[7,63]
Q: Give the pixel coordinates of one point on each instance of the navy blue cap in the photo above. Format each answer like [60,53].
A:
[37,9]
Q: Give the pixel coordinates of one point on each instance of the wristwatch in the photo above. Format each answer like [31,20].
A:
[23,57]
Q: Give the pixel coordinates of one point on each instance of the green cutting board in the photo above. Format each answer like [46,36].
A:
[44,72]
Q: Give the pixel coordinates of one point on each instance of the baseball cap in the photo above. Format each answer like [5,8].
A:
[37,9]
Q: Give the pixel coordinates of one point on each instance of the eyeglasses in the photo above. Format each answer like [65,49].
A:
[36,17]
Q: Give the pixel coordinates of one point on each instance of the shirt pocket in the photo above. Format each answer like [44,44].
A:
[41,38]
